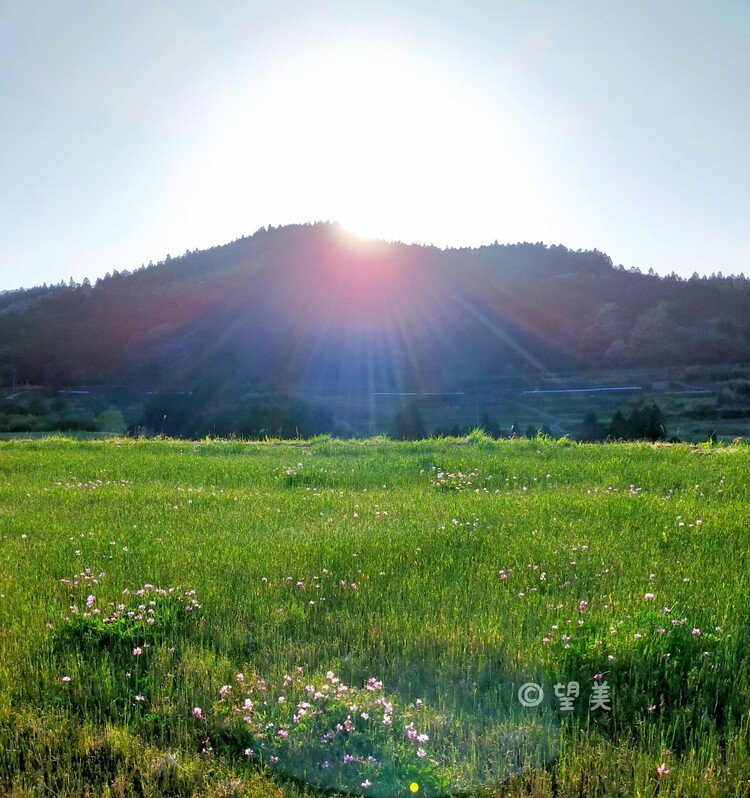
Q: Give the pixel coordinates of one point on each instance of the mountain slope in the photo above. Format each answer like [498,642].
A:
[310,306]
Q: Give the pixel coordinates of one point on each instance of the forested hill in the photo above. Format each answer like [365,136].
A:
[310,305]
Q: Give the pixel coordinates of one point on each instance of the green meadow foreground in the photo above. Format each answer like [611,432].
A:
[226,618]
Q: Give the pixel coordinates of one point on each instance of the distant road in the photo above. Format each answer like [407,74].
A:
[586,390]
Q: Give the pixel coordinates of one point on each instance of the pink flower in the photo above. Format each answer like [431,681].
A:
[140,697]
[367,783]
[649,596]
[696,632]
[651,708]
[583,605]
[90,600]
[137,651]
[282,734]
[65,679]
[421,753]
[197,712]
[662,770]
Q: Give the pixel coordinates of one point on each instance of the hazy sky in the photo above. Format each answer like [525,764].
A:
[129,130]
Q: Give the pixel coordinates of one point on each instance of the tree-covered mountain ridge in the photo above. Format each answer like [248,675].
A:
[310,304]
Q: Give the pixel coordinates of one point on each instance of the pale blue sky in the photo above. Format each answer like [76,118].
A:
[129,130]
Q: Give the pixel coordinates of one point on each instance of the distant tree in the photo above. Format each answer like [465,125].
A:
[492,428]
[591,430]
[173,414]
[645,422]
[618,427]
[111,420]
[656,429]
[408,424]
[280,416]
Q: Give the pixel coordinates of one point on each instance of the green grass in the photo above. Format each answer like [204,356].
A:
[452,572]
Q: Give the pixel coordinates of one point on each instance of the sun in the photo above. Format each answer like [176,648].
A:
[411,159]
[366,228]
[390,144]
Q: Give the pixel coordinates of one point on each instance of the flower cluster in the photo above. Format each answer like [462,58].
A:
[329,733]
[84,578]
[139,615]
[457,480]
[94,484]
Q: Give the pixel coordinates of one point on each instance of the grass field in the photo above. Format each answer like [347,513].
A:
[223,618]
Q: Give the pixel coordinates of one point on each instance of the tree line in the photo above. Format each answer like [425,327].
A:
[643,422]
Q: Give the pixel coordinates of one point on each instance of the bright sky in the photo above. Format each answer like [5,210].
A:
[133,130]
